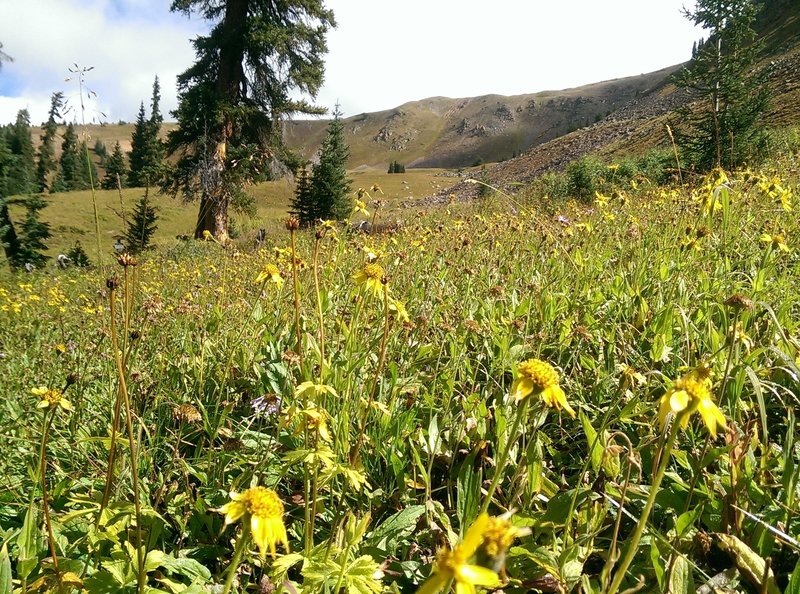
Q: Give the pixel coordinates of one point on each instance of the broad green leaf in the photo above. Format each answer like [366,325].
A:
[468,490]
[28,543]
[395,528]
[593,443]
[793,587]
[5,570]
[680,579]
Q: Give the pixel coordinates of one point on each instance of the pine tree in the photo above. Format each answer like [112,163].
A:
[257,55]
[72,172]
[330,188]
[115,167]
[34,232]
[141,226]
[46,162]
[138,154]
[303,206]
[725,128]
[22,172]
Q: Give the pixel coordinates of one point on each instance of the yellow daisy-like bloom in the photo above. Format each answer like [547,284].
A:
[778,241]
[454,564]
[270,272]
[264,509]
[398,309]
[688,394]
[540,379]
[50,398]
[372,276]
[500,534]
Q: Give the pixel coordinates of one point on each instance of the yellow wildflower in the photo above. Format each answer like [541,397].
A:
[500,534]
[270,272]
[264,509]
[373,277]
[50,398]
[540,379]
[454,564]
[777,241]
[688,394]
[398,310]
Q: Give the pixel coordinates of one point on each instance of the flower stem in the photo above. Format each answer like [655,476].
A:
[237,555]
[51,540]
[633,545]
[296,287]
[503,457]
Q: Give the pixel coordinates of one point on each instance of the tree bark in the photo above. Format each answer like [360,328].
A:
[9,239]
[213,215]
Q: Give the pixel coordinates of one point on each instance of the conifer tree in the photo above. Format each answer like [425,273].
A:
[726,127]
[46,162]
[22,171]
[72,172]
[34,233]
[257,55]
[303,205]
[139,146]
[115,167]
[141,226]
[330,187]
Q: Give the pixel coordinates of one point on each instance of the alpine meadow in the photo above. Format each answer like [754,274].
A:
[544,343]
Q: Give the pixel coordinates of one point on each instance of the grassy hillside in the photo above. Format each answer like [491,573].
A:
[70,215]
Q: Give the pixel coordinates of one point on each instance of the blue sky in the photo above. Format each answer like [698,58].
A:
[381,55]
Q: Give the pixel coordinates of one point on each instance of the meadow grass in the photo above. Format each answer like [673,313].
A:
[408,400]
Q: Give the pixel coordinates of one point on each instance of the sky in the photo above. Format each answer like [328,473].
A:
[382,54]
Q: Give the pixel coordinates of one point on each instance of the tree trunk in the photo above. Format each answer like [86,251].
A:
[9,239]
[213,215]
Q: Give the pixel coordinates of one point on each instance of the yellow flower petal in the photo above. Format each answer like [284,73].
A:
[678,400]
[476,575]
[521,388]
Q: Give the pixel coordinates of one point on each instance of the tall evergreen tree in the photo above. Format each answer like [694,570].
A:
[303,204]
[46,162]
[139,146]
[141,226]
[115,167]
[330,188]
[726,127]
[22,172]
[233,98]
[34,233]
[73,173]
[147,149]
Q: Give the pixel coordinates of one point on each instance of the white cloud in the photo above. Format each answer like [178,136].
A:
[381,55]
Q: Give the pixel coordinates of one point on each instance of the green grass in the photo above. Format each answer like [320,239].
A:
[70,214]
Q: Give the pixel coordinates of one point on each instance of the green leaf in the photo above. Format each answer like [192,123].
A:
[793,587]
[468,489]
[28,543]
[396,528]
[680,579]
[686,520]
[5,570]
[594,444]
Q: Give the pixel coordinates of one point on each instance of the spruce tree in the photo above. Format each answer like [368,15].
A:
[330,188]
[34,232]
[141,226]
[46,162]
[257,56]
[115,167]
[72,172]
[139,147]
[725,127]
[303,205]
[22,172]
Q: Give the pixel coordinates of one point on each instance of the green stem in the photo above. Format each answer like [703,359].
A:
[237,554]
[141,576]
[503,458]
[633,545]
[51,540]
